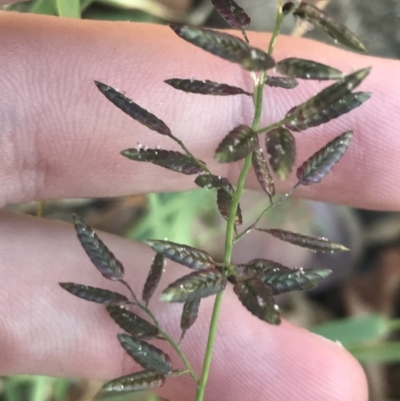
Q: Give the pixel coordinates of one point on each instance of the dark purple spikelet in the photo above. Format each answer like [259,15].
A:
[241,141]
[258,299]
[262,172]
[199,284]
[146,355]
[104,260]
[232,13]
[321,163]
[225,46]
[327,23]
[94,294]
[132,109]
[281,148]
[132,323]
[154,277]
[315,243]
[205,87]
[281,82]
[139,381]
[169,159]
[307,69]
[330,103]
[185,255]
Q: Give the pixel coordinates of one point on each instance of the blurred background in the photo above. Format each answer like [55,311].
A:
[359,305]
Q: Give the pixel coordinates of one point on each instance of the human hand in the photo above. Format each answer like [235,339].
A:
[60,138]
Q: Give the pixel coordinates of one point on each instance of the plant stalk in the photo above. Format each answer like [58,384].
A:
[230,230]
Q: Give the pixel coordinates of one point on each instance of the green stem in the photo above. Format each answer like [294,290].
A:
[277,28]
[173,344]
[230,230]
[278,202]
[40,208]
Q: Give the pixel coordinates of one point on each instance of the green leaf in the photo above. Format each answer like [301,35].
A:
[132,323]
[95,294]
[321,163]
[232,13]
[315,243]
[206,87]
[189,315]
[104,260]
[333,28]
[307,69]
[132,109]
[139,381]
[225,46]
[281,148]
[168,159]
[46,7]
[343,106]
[199,284]
[69,8]
[354,330]
[236,145]
[183,254]
[323,104]
[146,355]
[153,278]
[262,172]
[257,298]
[377,353]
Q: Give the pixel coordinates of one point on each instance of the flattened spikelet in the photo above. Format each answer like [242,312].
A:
[332,27]
[132,109]
[236,145]
[145,380]
[199,284]
[189,315]
[183,254]
[321,163]
[225,46]
[104,260]
[306,241]
[153,278]
[95,294]
[307,69]
[224,200]
[281,82]
[206,87]
[213,181]
[325,105]
[344,105]
[232,13]
[146,355]
[280,278]
[257,298]
[262,172]
[281,148]
[168,159]
[132,323]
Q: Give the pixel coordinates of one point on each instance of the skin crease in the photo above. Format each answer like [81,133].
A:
[61,138]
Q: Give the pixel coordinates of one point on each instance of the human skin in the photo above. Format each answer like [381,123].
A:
[60,138]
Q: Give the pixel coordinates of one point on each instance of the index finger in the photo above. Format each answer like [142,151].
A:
[61,138]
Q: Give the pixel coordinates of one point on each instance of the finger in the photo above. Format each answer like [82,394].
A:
[61,138]
[46,330]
